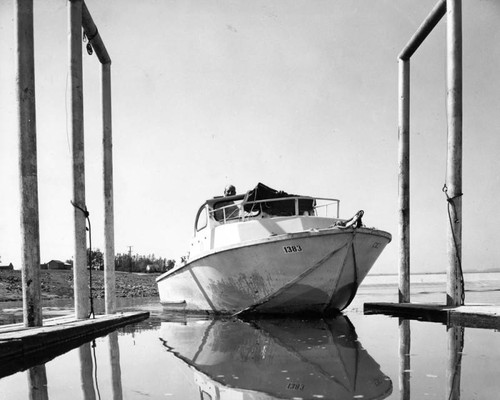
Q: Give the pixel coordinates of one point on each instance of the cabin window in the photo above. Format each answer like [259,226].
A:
[201,223]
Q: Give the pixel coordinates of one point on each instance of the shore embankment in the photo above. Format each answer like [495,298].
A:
[58,284]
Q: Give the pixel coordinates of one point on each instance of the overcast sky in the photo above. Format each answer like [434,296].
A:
[300,95]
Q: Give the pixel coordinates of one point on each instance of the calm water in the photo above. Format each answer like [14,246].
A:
[355,356]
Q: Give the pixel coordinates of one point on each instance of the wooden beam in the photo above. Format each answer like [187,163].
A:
[424,30]
[94,36]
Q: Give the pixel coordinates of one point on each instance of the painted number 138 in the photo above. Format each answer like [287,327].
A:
[292,249]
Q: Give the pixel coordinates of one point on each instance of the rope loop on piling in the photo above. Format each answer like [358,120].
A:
[448,198]
[83,210]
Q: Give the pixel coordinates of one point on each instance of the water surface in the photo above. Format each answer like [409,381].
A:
[354,356]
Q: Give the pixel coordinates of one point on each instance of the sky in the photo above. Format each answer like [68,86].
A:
[299,95]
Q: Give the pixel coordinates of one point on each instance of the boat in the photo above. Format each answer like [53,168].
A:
[274,358]
[270,252]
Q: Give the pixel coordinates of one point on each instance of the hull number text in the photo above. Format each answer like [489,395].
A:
[295,386]
[292,249]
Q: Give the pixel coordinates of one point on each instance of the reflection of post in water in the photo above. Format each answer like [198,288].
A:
[404,358]
[114,356]
[455,347]
[37,382]
[86,368]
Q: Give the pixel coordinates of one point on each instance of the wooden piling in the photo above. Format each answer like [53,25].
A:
[453,188]
[77,141]
[28,173]
[404,144]
[109,242]
[404,180]
[454,289]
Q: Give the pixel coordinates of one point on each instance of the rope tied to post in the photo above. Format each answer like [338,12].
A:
[451,205]
[451,201]
[89,255]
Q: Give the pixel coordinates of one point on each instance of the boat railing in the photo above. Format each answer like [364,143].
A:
[283,206]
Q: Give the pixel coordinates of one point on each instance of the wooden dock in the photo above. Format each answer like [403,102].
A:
[22,348]
[485,316]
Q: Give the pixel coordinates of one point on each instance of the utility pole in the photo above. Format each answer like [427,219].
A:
[129,258]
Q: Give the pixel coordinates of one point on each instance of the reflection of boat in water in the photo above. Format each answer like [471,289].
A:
[270,252]
[271,358]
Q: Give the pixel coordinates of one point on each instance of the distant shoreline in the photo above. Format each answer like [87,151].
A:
[438,273]
[58,284]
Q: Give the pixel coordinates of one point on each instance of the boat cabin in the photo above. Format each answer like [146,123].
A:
[260,213]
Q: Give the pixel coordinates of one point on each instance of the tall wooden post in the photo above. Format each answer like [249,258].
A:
[77,136]
[454,288]
[109,242]
[404,144]
[404,180]
[28,173]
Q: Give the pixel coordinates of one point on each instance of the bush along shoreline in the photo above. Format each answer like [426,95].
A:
[58,284]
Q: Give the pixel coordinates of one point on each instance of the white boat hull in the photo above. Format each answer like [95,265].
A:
[307,272]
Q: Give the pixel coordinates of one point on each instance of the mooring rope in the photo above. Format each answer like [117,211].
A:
[95,370]
[89,256]
[451,204]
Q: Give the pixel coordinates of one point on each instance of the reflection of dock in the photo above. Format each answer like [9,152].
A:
[473,316]
[24,347]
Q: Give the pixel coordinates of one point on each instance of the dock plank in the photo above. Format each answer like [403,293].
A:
[22,347]
[485,316]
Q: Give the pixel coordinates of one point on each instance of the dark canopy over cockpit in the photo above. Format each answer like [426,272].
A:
[279,208]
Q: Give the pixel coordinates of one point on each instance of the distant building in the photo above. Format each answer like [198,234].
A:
[6,267]
[153,268]
[56,264]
